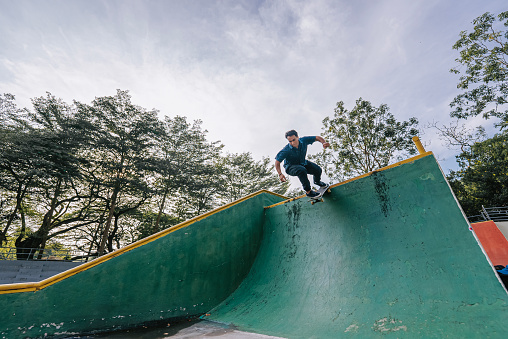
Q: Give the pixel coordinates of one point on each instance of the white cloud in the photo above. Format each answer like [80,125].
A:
[250,70]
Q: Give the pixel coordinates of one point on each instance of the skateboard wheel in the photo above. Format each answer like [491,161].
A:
[312,202]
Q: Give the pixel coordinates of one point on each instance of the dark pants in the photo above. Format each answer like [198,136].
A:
[302,171]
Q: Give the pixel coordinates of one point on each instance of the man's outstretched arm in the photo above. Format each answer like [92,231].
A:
[323,141]
[279,171]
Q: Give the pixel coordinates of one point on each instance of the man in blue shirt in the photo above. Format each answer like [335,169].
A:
[295,164]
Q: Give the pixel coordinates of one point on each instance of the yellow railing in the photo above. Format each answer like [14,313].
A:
[35,286]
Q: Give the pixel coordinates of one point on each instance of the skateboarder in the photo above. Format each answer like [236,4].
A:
[295,163]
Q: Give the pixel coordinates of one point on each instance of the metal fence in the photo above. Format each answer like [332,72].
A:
[491,213]
[14,253]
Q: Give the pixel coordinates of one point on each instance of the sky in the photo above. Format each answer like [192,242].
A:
[249,69]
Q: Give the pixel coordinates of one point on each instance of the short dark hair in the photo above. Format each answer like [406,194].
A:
[290,133]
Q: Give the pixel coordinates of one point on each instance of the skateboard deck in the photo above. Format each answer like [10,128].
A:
[321,191]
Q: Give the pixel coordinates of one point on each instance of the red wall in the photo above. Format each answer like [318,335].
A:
[493,241]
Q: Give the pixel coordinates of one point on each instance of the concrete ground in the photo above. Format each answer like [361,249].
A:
[196,329]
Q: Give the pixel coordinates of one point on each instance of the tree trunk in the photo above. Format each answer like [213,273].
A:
[113,233]
[112,208]
[156,226]
[20,194]
[108,221]
[48,217]
[94,238]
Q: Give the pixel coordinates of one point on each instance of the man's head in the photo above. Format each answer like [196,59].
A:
[290,133]
[292,137]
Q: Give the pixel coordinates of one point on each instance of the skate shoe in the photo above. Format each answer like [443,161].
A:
[312,194]
[321,184]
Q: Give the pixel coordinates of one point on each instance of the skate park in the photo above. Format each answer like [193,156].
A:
[387,254]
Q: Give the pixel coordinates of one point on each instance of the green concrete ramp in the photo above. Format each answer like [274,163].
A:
[178,273]
[386,255]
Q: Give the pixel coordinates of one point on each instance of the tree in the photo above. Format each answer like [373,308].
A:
[15,173]
[41,160]
[457,135]
[123,139]
[184,157]
[483,175]
[10,114]
[363,139]
[144,222]
[484,81]
[101,174]
[242,175]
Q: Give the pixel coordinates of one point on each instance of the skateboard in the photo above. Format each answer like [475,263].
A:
[321,191]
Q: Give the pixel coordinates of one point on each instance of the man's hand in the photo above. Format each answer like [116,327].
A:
[282,177]
[323,141]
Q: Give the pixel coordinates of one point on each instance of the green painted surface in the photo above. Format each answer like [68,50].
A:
[184,273]
[388,255]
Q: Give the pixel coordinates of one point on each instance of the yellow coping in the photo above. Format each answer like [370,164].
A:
[419,145]
[36,286]
[361,176]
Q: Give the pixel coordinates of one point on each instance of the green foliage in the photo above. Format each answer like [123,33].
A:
[39,166]
[10,115]
[122,138]
[363,139]
[483,175]
[184,169]
[484,81]
[107,173]
[146,221]
[242,175]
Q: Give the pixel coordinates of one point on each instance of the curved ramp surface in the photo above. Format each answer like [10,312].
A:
[181,272]
[389,254]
